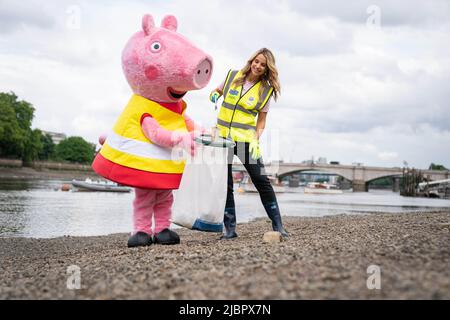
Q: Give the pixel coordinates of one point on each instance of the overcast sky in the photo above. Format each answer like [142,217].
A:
[362,81]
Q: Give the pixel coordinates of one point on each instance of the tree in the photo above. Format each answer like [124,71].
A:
[12,136]
[24,113]
[75,149]
[437,167]
[32,146]
[48,147]
[17,139]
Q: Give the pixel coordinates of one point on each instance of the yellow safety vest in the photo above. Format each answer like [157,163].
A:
[129,147]
[237,116]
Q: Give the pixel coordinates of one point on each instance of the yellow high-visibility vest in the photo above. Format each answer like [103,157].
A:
[237,116]
[129,147]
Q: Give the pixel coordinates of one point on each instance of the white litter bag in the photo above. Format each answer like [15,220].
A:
[199,203]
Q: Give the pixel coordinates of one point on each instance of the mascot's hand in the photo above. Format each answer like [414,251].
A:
[214,96]
[206,131]
[187,142]
[255,149]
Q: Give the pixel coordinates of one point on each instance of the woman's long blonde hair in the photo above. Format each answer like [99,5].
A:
[270,77]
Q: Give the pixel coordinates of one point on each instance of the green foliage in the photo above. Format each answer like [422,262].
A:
[17,139]
[437,167]
[11,137]
[24,113]
[75,149]
[48,147]
[32,146]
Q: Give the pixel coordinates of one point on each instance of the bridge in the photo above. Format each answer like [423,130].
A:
[359,175]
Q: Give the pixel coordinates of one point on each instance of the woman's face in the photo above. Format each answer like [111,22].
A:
[259,65]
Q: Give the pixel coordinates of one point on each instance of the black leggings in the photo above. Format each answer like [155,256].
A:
[255,169]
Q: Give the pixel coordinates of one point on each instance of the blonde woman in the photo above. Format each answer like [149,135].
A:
[242,117]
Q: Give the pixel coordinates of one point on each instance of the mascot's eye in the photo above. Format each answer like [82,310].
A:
[155,47]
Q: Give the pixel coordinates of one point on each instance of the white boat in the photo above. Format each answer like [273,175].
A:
[434,184]
[435,189]
[106,186]
[247,186]
[322,188]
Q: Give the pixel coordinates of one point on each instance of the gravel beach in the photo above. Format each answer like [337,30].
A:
[324,258]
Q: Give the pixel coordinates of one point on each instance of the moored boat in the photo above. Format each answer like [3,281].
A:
[106,186]
[246,185]
[322,188]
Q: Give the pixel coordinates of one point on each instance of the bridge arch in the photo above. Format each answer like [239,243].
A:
[393,176]
[296,171]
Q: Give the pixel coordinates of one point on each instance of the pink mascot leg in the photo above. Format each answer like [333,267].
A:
[163,214]
[163,210]
[143,206]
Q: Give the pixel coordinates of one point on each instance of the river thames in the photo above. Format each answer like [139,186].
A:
[39,209]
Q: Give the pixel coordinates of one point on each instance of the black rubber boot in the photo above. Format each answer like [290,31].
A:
[167,237]
[229,221]
[274,214]
[139,239]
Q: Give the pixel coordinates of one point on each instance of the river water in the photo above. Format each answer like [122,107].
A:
[39,209]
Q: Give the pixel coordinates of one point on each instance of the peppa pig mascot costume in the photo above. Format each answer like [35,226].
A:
[161,66]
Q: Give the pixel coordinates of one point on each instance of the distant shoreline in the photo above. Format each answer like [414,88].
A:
[44,174]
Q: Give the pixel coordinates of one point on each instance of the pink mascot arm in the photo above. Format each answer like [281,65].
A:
[166,138]
[193,127]
[190,124]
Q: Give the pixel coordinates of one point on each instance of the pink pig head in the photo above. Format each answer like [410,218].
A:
[162,65]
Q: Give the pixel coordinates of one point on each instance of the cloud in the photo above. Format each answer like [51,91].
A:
[17,15]
[392,13]
[387,155]
[376,84]
[386,146]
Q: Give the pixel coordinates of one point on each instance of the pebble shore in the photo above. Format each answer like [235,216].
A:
[324,258]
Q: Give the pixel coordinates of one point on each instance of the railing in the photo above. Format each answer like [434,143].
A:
[11,163]
[61,166]
[39,165]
